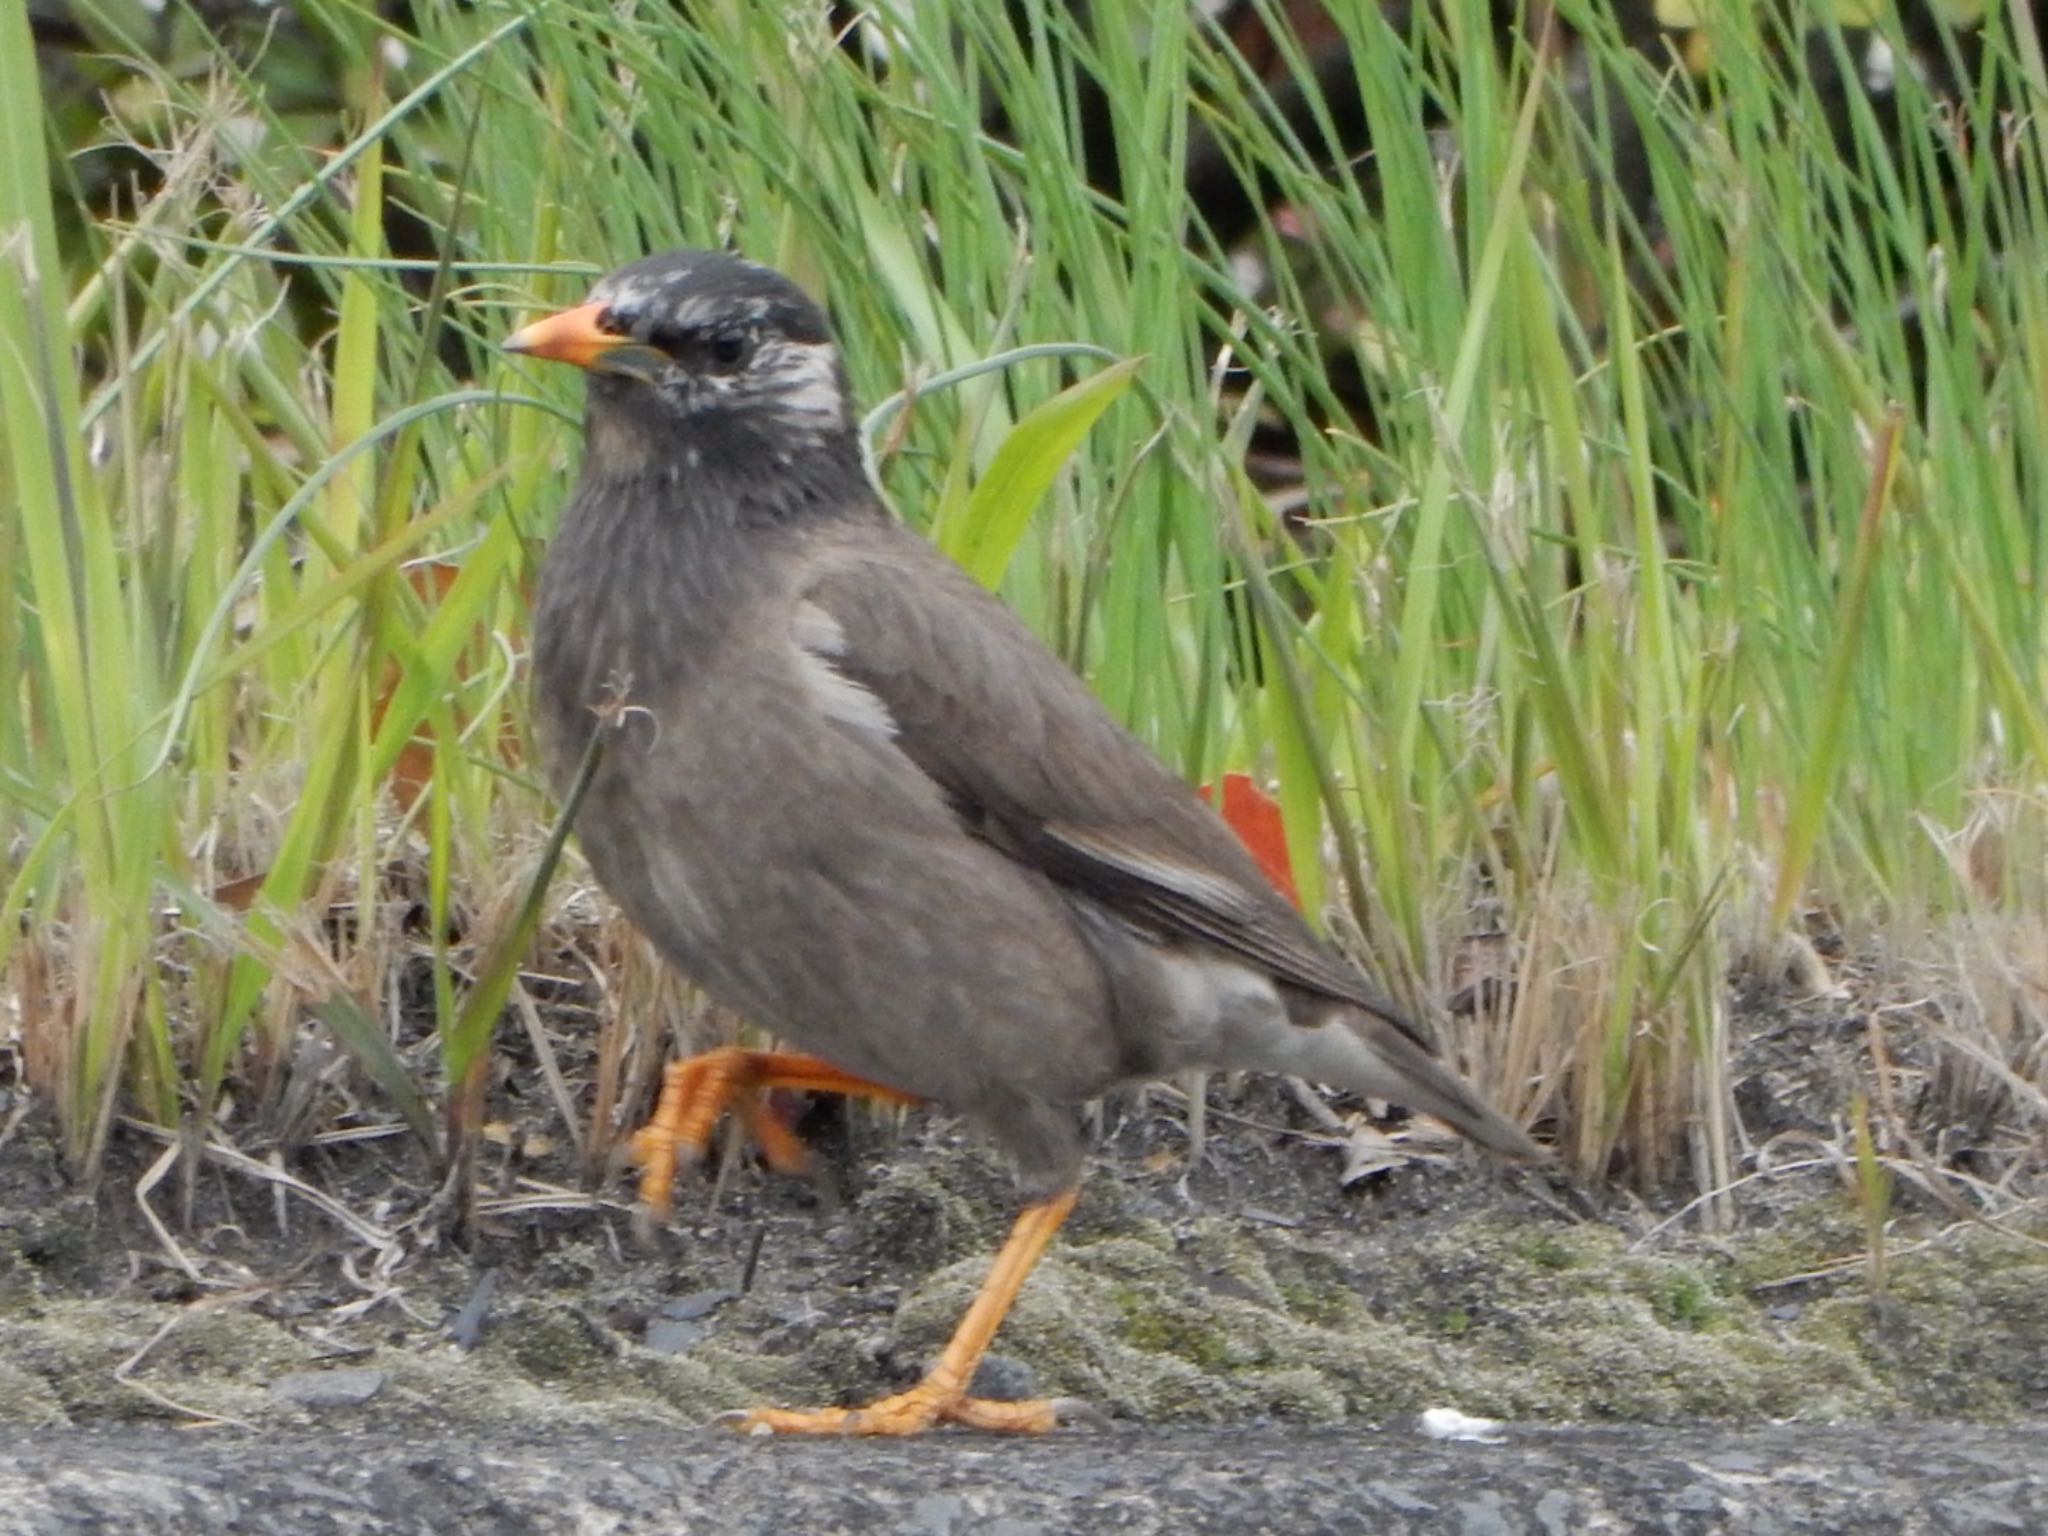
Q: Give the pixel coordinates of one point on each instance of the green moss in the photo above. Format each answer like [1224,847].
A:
[27,1400]
[551,1344]
[1805,1239]
[1686,1292]
[1492,1315]
[63,1358]
[1145,1334]
[1961,1333]
[1556,1251]
[1228,1259]
[1559,1324]
[449,1388]
[917,1220]
[1152,1325]
[1209,1320]
[1683,1300]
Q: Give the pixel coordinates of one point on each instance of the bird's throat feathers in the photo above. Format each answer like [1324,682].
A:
[667,543]
[785,407]
[745,468]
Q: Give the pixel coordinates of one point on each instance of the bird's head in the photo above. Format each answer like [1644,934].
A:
[694,346]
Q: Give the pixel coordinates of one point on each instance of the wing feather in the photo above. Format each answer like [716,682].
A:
[1034,763]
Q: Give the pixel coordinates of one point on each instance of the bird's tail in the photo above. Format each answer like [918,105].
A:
[1370,1055]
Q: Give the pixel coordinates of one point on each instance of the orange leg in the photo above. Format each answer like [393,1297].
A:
[697,1090]
[942,1395]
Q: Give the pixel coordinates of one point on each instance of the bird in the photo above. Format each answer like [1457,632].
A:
[848,793]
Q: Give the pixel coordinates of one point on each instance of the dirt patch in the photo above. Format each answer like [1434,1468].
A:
[1253,1286]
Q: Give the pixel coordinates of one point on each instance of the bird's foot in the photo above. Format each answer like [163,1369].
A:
[923,1407]
[941,1397]
[697,1091]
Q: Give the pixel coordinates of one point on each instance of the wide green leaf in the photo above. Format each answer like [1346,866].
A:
[986,533]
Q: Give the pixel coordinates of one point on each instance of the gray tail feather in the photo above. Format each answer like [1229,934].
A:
[1369,1055]
[1425,1082]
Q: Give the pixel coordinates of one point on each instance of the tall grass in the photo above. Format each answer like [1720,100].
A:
[1688,581]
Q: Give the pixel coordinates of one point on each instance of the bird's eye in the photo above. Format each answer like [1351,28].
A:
[728,349]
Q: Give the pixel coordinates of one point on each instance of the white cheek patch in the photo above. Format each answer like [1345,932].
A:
[801,379]
[688,392]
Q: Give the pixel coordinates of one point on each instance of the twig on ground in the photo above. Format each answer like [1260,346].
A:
[550,1069]
[369,1233]
[151,1177]
[1729,1188]
[124,1372]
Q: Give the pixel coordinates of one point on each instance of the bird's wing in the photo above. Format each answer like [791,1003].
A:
[1032,761]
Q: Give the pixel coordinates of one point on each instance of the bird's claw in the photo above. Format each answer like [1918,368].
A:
[1079,1413]
[917,1410]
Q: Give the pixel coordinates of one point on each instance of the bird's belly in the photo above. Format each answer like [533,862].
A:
[1206,1010]
[892,945]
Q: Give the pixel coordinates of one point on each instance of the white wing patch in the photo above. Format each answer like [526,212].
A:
[820,642]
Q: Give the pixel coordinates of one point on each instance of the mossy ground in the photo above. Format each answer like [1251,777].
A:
[1250,1288]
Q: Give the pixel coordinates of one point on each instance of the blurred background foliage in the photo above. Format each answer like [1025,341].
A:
[1586,461]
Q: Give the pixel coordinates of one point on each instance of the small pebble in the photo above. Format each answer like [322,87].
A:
[1449,1424]
[328,1389]
[1001,1379]
[672,1335]
[697,1304]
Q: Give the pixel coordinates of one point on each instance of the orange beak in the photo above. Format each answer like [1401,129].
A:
[573,336]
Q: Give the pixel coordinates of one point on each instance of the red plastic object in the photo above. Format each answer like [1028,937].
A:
[1254,816]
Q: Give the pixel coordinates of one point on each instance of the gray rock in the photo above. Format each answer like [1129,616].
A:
[1003,1379]
[672,1335]
[697,1304]
[318,1390]
[1878,1480]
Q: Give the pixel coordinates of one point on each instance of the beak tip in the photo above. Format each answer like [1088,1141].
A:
[572,336]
